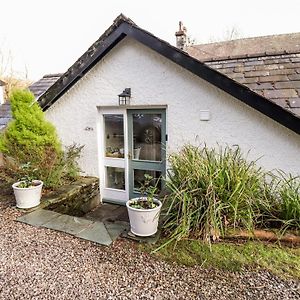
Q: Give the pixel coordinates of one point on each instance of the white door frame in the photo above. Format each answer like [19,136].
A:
[109,193]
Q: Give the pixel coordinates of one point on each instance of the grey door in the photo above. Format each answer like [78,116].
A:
[146,146]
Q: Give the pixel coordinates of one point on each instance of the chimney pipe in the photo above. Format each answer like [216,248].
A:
[181,38]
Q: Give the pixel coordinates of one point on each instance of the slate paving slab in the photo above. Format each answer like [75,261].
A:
[115,229]
[68,224]
[103,226]
[97,233]
[90,230]
[38,217]
[107,212]
[152,239]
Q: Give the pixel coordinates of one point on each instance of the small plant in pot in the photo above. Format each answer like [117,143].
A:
[144,211]
[28,190]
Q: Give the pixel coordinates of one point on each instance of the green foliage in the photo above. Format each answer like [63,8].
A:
[28,134]
[289,206]
[31,140]
[283,206]
[61,169]
[27,180]
[148,191]
[233,257]
[213,190]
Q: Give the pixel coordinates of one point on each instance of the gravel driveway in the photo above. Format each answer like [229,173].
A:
[38,263]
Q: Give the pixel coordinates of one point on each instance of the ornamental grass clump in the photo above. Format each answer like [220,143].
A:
[282,207]
[289,206]
[211,190]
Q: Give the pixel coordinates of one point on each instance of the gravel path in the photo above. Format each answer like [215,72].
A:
[38,263]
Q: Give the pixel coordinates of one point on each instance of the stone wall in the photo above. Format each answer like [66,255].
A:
[76,199]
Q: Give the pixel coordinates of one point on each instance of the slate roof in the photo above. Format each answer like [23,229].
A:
[37,88]
[269,66]
[5,115]
[41,86]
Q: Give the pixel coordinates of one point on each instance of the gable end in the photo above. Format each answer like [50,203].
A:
[123,27]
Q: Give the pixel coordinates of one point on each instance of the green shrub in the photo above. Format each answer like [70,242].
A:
[63,169]
[211,190]
[28,134]
[31,141]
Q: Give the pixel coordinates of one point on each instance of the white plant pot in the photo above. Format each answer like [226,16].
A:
[28,197]
[143,222]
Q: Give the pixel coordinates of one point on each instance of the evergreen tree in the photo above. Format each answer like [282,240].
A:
[29,134]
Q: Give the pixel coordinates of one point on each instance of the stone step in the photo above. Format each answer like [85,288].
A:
[90,230]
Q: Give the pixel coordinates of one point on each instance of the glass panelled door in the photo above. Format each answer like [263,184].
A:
[113,155]
[146,147]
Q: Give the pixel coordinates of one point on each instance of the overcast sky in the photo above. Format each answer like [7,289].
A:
[48,36]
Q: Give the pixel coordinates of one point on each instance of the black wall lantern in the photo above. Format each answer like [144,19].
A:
[124,97]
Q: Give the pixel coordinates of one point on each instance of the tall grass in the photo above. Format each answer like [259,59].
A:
[213,189]
[283,201]
[210,190]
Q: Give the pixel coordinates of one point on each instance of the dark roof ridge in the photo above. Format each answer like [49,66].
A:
[256,55]
[123,27]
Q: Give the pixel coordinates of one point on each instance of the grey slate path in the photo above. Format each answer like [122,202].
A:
[96,233]
[69,224]
[116,229]
[91,230]
[103,225]
[38,217]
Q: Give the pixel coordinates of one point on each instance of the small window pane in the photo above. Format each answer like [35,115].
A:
[115,178]
[114,136]
[147,137]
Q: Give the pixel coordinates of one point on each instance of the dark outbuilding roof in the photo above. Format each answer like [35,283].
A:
[269,65]
[5,115]
[247,47]
[39,87]
[123,27]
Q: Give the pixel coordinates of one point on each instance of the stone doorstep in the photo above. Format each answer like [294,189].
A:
[94,231]
[103,233]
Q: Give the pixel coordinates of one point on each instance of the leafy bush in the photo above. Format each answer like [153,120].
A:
[211,190]
[64,168]
[28,134]
[31,141]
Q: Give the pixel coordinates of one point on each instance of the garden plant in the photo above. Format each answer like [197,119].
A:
[213,190]
[30,140]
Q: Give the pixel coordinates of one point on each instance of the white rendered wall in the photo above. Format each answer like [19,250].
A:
[154,80]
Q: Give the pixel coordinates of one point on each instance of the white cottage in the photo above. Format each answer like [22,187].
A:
[132,99]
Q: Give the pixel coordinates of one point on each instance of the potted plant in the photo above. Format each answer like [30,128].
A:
[144,211]
[28,190]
